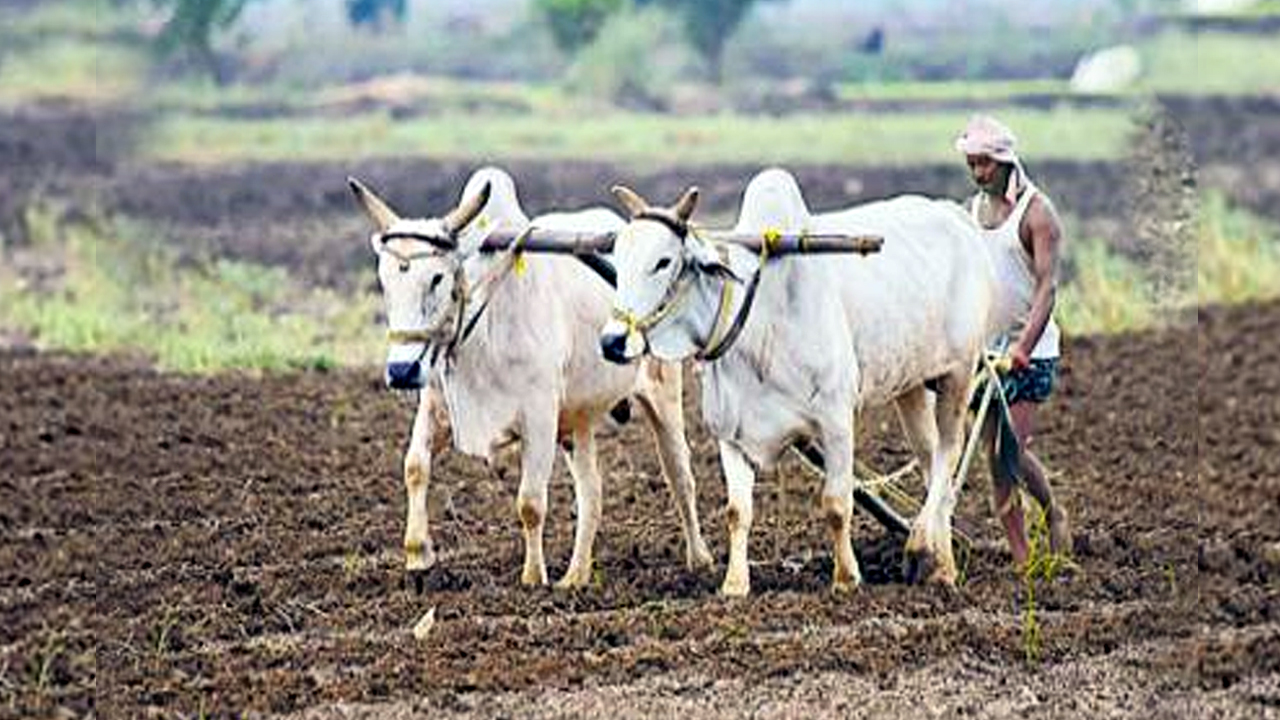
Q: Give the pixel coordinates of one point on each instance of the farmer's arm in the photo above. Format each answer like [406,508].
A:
[1045,236]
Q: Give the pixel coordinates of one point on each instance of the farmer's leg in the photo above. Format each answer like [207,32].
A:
[1033,476]
[1007,499]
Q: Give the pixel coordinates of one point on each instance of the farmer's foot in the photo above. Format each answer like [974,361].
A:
[1059,531]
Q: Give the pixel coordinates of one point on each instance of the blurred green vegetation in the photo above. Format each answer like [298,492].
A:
[65,67]
[955,90]
[1237,260]
[1210,63]
[640,140]
[1238,255]
[117,287]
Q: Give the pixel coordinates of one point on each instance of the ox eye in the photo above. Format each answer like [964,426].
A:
[435,280]
[661,265]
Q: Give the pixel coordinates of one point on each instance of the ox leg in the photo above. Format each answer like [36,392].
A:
[739,479]
[663,407]
[837,506]
[537,458]
[929,554]
[586,492]
[428,423]
[921,429]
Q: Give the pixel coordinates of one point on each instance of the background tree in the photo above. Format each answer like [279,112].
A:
[575,23]
[708,25]
[188,33]
[374,13]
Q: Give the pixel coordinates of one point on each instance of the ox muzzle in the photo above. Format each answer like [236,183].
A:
[622,342]
[406,368]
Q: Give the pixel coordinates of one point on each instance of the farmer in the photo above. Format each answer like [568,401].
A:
[1026,234]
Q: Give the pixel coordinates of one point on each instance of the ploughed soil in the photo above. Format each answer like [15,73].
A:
[181,546]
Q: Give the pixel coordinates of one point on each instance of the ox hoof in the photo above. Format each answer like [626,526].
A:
[572,582]
[419,557]
[532,578]
[418,578]
[699,559]
[577,576]
[926,567]
[846,586]
[738,588]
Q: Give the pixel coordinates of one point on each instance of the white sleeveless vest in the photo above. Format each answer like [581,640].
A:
[1014,270]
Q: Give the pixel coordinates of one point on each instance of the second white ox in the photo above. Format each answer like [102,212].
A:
[822,337]
[515,355]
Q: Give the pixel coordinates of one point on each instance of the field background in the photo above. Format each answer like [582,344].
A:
[176,235]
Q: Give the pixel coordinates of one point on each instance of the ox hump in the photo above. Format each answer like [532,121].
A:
[773,200]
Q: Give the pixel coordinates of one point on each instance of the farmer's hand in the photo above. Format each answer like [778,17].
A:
[1019,359]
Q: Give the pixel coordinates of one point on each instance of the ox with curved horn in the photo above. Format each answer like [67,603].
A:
[520,367]
[822,340]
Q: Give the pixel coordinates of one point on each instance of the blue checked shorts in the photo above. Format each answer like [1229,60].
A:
[1030,384]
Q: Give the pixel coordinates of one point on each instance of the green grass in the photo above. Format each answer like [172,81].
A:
[1210,63]
[439,94]
[1239,255]
[644,140]
[1109,293]
[86,18]
[955,90]
[1266,8]
[120,293]
[1237,260]
[69,68]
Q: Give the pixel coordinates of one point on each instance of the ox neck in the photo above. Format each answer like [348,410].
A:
[724,304]
[484,276]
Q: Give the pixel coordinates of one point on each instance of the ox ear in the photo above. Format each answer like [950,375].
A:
[631,201]
[710,258]
[684,207]
[467,210]
[378,210]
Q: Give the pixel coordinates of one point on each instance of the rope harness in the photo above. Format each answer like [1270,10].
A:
[462,294]
[718,341]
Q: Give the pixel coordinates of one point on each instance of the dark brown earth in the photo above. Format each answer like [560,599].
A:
[209,546]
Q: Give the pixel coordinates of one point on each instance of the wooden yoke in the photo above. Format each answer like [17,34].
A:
[585,243]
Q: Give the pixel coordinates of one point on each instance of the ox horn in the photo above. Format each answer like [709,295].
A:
[685,205]
[467,210]
[378,211]
[631,201]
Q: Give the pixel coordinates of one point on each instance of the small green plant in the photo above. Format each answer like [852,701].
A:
[54,646]
[352,564]
[1043,565]
[163,633]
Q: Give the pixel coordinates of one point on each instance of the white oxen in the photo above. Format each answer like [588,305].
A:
[825,336]
[512,348]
